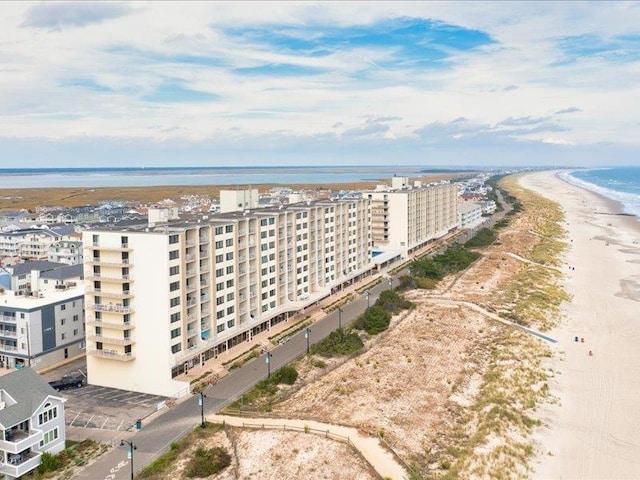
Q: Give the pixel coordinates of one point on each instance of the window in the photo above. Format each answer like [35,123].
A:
[75,332]
[229,256]
[175,317]
[175,332]
[219,230]
[174,239]
[219,258]
[220,300]
[229,242]
[173,286]
[231,323]
[264,222]
[219,286]
[219,244]
[49,414]
[174,270]
[174,254]
[63,321]
[63,307]
[219,272]
[229,283]
[75,318]
[220,328]
[174,302]
[176,348]
[230,310]
[220,314]
[230,296]
[228,228]
[63,336]
[49,437]
[230,269]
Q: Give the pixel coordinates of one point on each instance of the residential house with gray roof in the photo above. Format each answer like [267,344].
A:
[31,422]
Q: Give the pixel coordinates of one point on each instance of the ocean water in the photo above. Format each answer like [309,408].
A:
[621,184]
[157,176]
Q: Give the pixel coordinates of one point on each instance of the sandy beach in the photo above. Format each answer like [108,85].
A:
[594,430]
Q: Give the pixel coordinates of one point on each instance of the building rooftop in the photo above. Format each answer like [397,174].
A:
[29,392]
[10,298]
[39,265]
[62,273]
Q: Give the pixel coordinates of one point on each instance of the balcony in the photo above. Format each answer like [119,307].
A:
[191,242]
[8,348]
[109,278]
[16,441]
[112,354]
[7,318]
[107,294]
[20,464]
[190,257]
[8,333]
[100,307]
[204,254]
[124,247]
[111,263]
[191,287]
[111,340]
[112,325]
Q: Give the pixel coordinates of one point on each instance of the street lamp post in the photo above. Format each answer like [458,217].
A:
[307,335]
[390,283]
[366,294]
[132,447]
[267,359]
[201,397]
[340,318]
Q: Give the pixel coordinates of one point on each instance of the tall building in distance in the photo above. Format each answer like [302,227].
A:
[406,218]
[166,297]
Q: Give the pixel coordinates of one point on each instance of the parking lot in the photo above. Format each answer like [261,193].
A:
[104,408]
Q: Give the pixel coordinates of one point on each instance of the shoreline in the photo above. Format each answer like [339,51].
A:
[590,433]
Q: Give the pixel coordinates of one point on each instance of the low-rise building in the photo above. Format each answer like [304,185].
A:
[31,422]
[66,251]
[469,215]
[41,329]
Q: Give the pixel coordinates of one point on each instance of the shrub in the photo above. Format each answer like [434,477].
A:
[374,320]
[207,462]
[484,237]
[287,375]
[426,283]
[392,302]
[48,463]
[338,343]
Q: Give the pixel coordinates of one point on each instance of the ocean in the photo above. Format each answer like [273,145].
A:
[161,176]
[621,184]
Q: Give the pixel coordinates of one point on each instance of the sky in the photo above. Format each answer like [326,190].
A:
[87,84]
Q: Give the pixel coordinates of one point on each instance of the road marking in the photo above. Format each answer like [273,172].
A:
[74,419]
[105,422]
[120,426]
[89,421]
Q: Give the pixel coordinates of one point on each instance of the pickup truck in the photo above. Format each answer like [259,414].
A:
[68,381]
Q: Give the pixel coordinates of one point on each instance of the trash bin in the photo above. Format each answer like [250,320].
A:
[138,424]
[576,339]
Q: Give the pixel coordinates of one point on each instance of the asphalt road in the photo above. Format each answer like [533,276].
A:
[156,437]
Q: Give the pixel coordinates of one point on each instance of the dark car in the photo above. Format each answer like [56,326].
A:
[68,381]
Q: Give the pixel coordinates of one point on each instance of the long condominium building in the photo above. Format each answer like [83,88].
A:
[406,218]
[164,298]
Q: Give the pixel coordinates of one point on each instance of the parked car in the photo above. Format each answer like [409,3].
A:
[68,381]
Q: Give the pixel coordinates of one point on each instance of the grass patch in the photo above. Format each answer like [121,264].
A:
[338,343]
[62,464]
[263,395]
[376,318]
[483,238]
[165,463]
[207,462]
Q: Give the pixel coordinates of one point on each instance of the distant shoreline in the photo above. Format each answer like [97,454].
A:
[30,198]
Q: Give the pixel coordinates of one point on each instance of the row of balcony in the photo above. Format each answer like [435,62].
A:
[111,354]
[96,322]
[101,307]
[123,247]
[106,293]
[108,277]
[111,340]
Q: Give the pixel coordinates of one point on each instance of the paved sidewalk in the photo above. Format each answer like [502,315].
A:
[382,461]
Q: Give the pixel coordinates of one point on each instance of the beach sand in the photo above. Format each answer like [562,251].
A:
[594,431]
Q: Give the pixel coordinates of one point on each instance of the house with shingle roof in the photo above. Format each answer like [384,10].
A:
[31,422]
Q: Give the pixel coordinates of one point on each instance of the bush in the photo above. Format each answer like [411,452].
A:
[374,320]
[393,303]
[426,283]
[48,463]
[287,375]
[484,237]
[338,343]
[207,462]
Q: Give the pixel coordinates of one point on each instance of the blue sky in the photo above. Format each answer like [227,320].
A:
[228,83]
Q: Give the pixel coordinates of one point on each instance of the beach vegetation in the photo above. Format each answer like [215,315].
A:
[484,237]
[338,343]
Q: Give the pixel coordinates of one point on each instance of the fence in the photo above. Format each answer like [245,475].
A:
[316,431]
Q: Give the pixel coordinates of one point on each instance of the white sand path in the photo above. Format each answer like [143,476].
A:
[381,459]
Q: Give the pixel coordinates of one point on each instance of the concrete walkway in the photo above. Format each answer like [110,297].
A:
[380,459]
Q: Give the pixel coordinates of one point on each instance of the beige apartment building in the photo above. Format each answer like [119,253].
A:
[406,218]
[161,299]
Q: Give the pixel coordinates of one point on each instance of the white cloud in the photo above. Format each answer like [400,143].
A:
[72,70]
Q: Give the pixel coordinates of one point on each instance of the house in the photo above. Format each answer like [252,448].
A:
[31,422]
